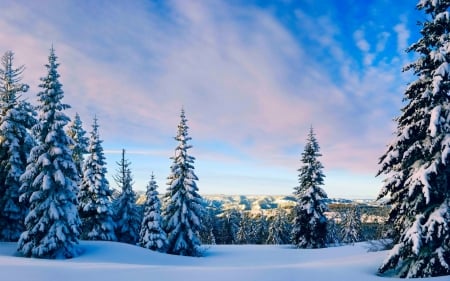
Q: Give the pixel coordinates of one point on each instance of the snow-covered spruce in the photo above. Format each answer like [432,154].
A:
[310,224]
[79,148]
[95,207]
[279,228]
[16,119]
[230,221]
[152,235]
[417,161]
[126,213]
[183,204]
[49,184]
[351,226]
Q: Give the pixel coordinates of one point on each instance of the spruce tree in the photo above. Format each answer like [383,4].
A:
[351,228]
[279,231]
[417,161]
[231,220]
[95,207]
[310,224]
[209,222]
[245,228]
[152,236]
[184,205]
[16,119]
[79,148]
[49,184]
[127,216]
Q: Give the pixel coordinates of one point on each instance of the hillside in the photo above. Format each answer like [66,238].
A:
[112,261]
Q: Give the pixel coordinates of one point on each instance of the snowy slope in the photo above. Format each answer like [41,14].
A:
[116,261]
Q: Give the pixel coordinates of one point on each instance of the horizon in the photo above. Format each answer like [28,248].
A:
[251,76]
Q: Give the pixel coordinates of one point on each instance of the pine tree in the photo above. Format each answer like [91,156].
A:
[152,236]
[16,119]
[79,148]
[333,231]
[128,219]
[258,230]
[49,184]
[209,221]
[351,228]
[229,227]
[279,231]
[310,224]
[95,207]
[184,205]
[417,161]
[245,227]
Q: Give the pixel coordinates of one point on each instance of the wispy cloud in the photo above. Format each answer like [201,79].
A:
[246,77]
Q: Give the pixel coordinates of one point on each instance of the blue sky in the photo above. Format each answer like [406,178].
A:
[252,76]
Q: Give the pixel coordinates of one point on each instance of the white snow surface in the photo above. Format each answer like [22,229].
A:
[118,261]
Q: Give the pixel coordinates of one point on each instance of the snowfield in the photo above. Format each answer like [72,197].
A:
[117,261]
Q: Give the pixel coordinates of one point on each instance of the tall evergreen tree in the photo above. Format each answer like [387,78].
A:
[417,161]
[127,216]
[80,147]
[310,224]
[152,236]
[95,207]
[184,205]
[16,119]
[49,183]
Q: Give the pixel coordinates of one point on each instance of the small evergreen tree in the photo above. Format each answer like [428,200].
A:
[128,219]
[16,118]
[245,228]
[81,142]
[258,230]
[207,235]
[184,205]
[152,236]
[417,161]
[351,229]
[229,227]
[95,207]
[49,183]
[310,224]
[333,231]
[279,231]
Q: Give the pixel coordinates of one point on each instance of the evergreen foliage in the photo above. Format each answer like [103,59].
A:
[243,235]
[229,227]
[152,236]
[183,204]
[95,207]
[209,221]
[16,119]
[417,161]
[279,229]
[80,147]
[333,231]
[351,228]
[127,216]
[310,224]
[49,184]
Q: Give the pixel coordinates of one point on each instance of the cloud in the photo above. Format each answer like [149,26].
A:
[246,78]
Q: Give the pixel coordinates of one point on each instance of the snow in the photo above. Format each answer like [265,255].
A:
[118,261]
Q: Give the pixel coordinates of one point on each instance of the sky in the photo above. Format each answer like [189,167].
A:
[252,76]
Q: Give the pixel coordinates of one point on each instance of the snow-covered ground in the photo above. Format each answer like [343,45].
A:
[116,261]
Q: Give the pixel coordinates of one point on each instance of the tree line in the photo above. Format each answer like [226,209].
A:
[49,200]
